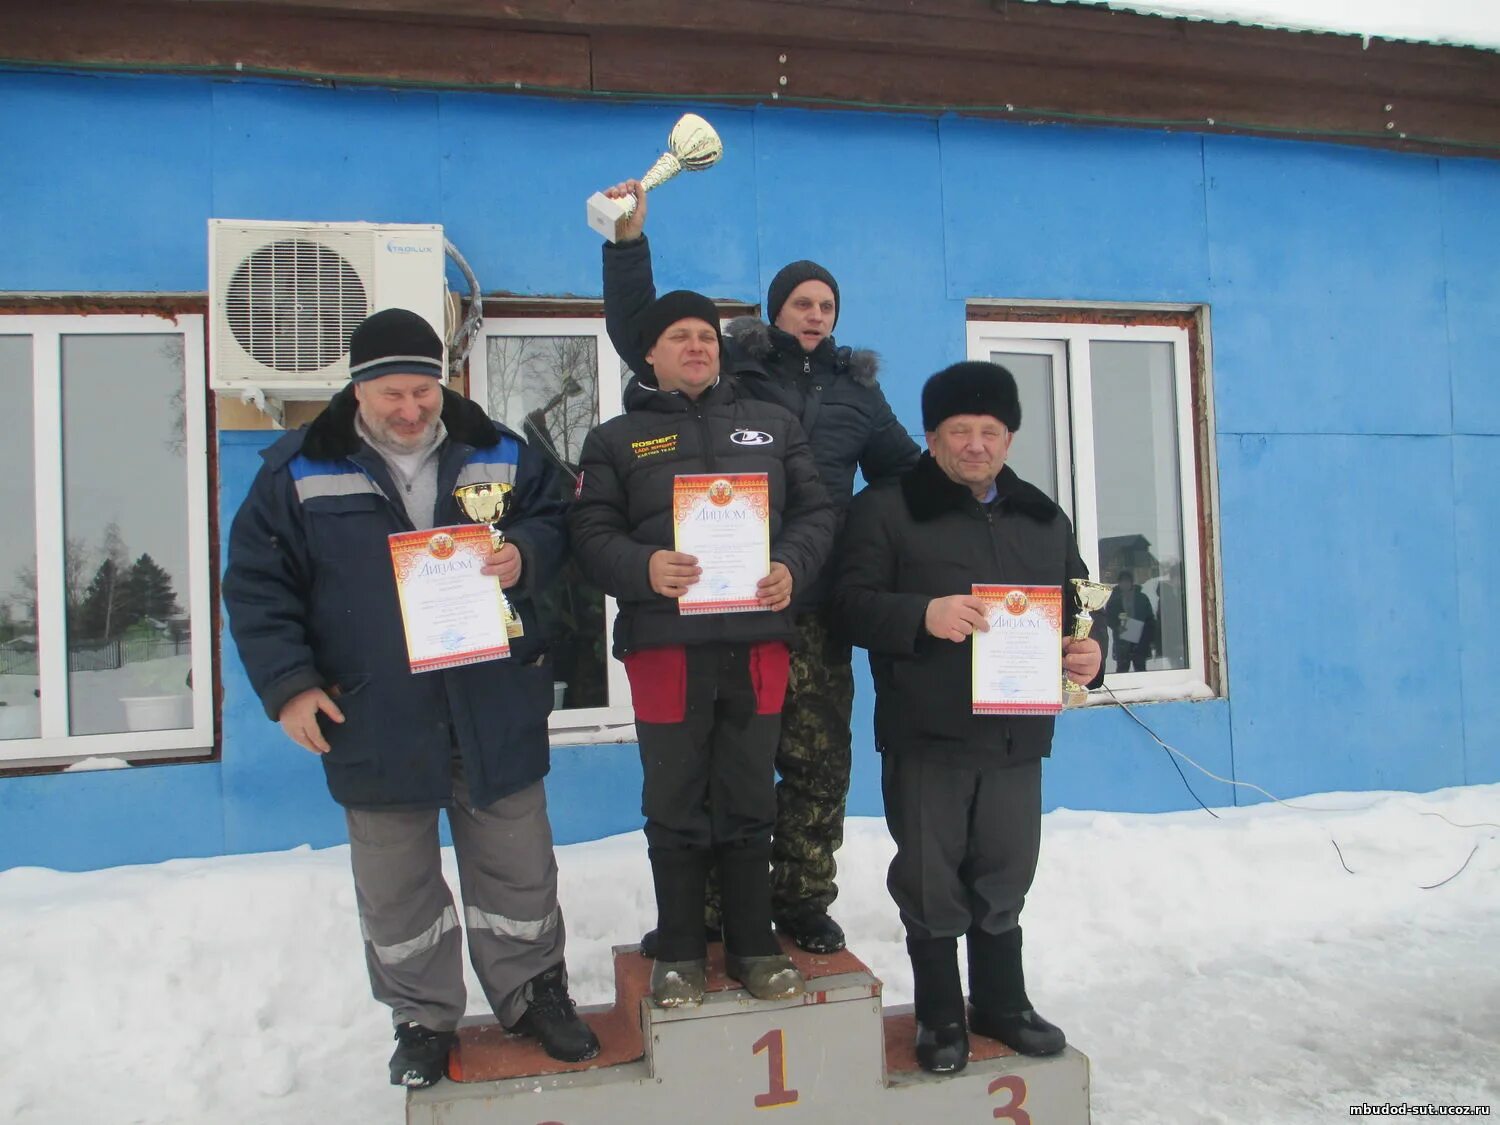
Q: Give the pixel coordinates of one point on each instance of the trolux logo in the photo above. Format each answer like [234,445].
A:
[406,248]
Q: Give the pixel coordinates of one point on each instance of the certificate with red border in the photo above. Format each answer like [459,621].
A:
[724,521]
[1018,663]
[451,612]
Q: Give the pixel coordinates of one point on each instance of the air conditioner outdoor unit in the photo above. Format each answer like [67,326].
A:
[284,297]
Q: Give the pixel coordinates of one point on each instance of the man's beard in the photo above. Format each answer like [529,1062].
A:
[389,435]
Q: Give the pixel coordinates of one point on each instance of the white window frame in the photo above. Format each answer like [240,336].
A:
[55,746]
[1073,410]
[578,725]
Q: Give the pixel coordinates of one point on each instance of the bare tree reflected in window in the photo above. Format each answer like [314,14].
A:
[546,388]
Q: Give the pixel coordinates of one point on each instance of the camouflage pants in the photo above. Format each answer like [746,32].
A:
[813,761]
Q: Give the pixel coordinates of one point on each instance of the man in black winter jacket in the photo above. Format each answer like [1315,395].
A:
[707,687]
[794,362]
[962,791]
[314,611]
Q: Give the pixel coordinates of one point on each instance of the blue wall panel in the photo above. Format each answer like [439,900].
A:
[1071,214]
[1476,469]
[1471,235]
[1327,289]
[1350,290]
[1102,759]
[517,173]
[105,183]
[864,199]
[106,818]
[1341,611]
[324,155]
[275,795]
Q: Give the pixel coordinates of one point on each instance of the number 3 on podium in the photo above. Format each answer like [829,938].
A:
[1015,1086]
[773,1043]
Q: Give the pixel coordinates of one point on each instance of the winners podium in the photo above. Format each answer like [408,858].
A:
[831,1055]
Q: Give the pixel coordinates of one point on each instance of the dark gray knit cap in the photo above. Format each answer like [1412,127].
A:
[667,310]
[973,387]
[394,342]
[792,275]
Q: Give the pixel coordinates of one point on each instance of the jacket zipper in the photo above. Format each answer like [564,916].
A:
[708,439]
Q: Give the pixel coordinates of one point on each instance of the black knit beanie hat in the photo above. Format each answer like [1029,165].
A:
[792,275]
[667,310]
[394,342]
[972,387]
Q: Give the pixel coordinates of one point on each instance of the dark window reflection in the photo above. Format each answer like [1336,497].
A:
[547,388]
[1138,487]
[125,517]
[20,714]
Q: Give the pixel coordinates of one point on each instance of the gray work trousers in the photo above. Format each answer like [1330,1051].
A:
[966,843]
[507,875]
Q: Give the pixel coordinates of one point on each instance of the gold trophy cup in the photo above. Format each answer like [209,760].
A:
[485,503]
[1091,596]
[692,146]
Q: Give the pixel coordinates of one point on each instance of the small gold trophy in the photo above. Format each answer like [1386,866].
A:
[692,145]
[1091,596]
[485,503]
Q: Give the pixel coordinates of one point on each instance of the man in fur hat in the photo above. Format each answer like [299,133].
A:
[314,612]
[963,792]
[794,362]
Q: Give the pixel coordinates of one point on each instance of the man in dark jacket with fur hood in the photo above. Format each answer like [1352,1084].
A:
[315,614]
[963,792]
[794,362]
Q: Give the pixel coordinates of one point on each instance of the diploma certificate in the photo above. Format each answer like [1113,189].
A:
[1018,663]
[724,522]
[452,613]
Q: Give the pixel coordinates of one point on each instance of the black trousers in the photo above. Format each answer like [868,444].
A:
[708,718]
[966,843]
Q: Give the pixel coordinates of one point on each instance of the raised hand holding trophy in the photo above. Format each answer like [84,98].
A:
[486,502]
[1090,596]
[692,146]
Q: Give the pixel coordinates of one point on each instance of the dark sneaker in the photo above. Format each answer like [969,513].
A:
[1025,1033]
[813,930]
[551,1018]
[421,1056]
[943,1049]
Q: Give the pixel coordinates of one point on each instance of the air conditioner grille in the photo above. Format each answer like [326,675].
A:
[292,305]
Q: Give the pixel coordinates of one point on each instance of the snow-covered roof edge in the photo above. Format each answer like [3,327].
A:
[1449,23]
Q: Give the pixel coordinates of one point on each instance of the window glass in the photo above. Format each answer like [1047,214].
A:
[547,389]
[1138,489]
[1033,453]
[125,505]
[19,710]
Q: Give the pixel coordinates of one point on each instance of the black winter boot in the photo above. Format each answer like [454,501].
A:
[421,1055]
[997,989]
[752,955]
[552,1019]
[650,938]
[942,1042]
[679,977]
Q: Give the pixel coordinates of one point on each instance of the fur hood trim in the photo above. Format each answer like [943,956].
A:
[929,493]
[758,340]
[332,436]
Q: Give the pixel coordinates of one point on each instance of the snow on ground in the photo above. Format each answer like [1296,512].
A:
[1464,22]
[1222,970]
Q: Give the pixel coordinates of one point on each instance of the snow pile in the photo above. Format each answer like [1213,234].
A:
[1224,970]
